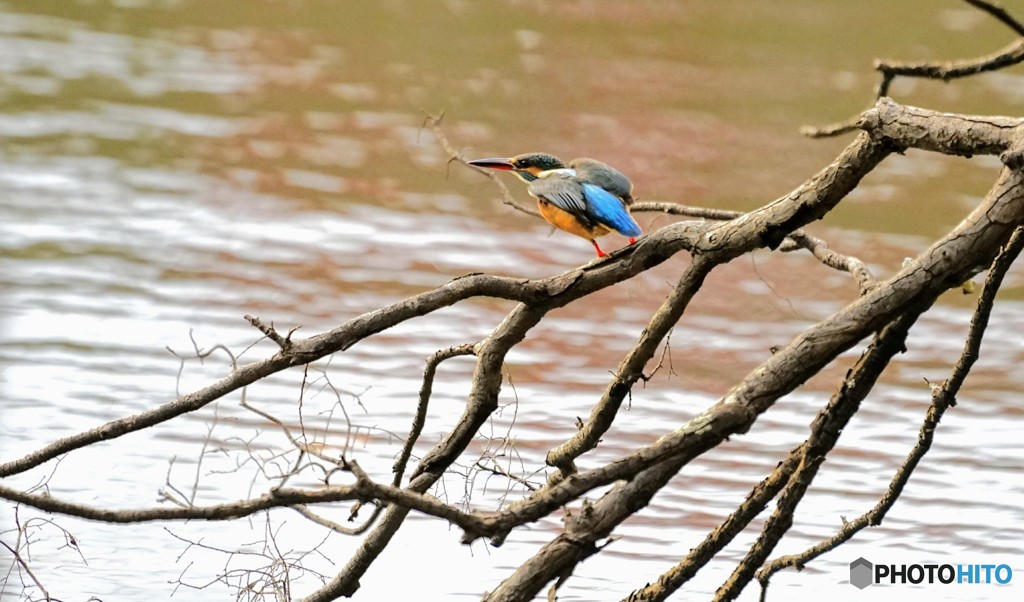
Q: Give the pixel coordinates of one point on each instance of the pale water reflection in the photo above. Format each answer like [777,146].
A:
[166,168]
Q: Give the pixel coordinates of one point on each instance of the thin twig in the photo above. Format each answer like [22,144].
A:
[497,470]
[424,400]
[285,342]
[28,570]
[844,263]
[686,210]
[796,240]
[999,13]
[434,122]
[945,71]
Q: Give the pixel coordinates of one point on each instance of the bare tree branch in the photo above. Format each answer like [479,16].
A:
[630,370]
[999,13]
[1004,57]
[798,239]
[825,432]
[28,570]
[945,71]
[942,398]
[738,520]
[456,156]
[421,409]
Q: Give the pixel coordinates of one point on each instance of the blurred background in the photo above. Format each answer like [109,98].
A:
[169,166]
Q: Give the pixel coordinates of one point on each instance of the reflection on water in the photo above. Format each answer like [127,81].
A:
[167,168]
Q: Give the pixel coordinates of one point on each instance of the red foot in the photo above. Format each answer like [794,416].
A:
[600,253]
[632,240]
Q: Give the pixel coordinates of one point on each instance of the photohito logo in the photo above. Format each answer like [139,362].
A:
[860,573]
[864,573]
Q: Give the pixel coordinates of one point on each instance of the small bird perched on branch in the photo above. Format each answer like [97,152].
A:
[588,198]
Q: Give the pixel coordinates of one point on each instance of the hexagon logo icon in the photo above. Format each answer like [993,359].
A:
[861,573]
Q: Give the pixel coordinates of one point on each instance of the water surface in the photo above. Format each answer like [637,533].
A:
[168,167]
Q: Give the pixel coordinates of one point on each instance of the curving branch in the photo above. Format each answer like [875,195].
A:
[943,398]
[999,13]
[1011,54]
[24,566]
[797,240]
[456,156]
[630,370]
[825,431]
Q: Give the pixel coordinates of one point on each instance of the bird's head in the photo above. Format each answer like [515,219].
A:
[526,166]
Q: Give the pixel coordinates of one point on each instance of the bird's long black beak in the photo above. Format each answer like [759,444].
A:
[502,164]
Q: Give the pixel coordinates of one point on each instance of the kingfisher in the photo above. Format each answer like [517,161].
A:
[587,198]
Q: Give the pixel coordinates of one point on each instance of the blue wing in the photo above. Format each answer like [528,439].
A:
[609,210]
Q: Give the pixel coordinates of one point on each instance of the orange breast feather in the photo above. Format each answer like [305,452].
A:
[563,220]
